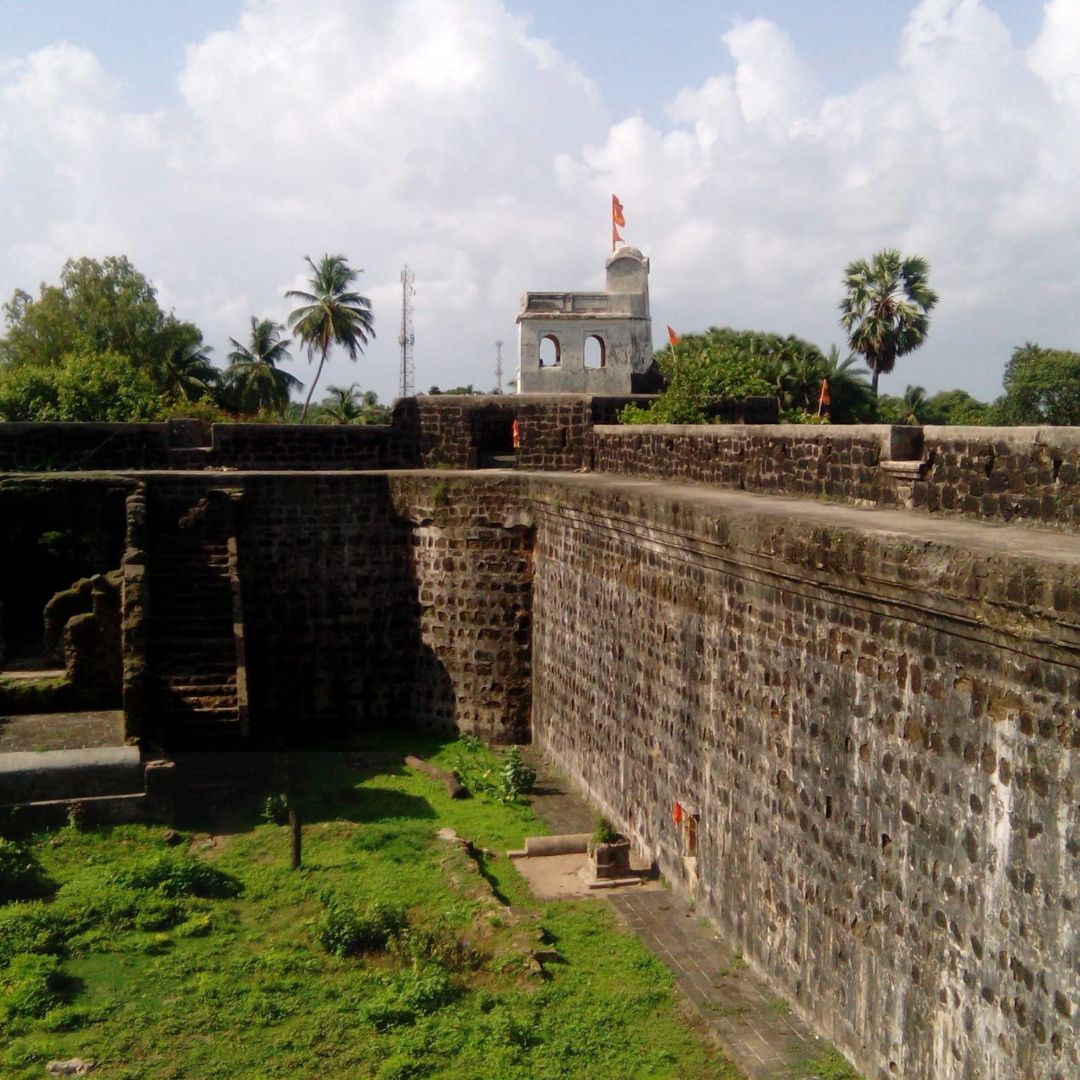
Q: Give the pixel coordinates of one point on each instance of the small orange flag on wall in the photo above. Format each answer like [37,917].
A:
[672,337]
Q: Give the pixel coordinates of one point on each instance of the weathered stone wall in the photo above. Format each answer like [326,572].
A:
[879,736]
[841,463]
[381,601]
[461,432]
[70,447]
[1003,474]
[53,531]
[323,446]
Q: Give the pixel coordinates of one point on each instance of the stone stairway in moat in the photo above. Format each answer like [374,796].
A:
[195,653]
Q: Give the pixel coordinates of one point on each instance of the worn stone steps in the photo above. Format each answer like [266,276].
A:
[191,641]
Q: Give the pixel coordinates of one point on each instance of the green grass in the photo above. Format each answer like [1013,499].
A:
[49,694]
[830,1064]
[159,964]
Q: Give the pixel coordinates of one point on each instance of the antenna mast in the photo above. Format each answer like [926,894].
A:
[498,367]
[406,339]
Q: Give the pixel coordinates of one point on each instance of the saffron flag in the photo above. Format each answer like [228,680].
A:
[672,337]
[617,219]
[677,814]
[823,401]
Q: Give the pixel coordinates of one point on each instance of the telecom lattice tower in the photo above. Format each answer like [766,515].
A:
[498,367]
[406,339]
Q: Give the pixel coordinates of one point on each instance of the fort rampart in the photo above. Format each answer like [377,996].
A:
[851,738]
[989,474]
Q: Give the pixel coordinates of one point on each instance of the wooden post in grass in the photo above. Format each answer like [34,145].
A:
[294,828]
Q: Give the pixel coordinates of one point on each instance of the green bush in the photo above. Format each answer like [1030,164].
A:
[276,810]
[517,777]
[437,944]
[31,927]
[29,986]
[408,995]
[21,878]
[175,874]
[345,930]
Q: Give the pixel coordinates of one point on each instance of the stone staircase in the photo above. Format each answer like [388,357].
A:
[197,689]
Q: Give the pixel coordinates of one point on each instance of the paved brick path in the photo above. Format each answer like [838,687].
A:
[753,1026]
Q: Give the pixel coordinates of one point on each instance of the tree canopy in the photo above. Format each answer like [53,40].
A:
[886,309]
[253,382]
[1042,386]
[706,372]
[97,346]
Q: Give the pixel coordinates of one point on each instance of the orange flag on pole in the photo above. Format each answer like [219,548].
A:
[672,337]
[824,401]
[617,219]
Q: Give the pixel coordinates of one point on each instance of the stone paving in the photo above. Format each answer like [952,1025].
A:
[754,1027]
[62,731]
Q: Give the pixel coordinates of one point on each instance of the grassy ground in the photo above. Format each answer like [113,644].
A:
[203,960]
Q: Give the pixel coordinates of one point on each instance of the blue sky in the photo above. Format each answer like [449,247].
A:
[757,146]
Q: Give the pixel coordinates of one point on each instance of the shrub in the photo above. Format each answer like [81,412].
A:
[276,810]
[175,874]
[409,995]
[434,944]
[345,930]
[21,878]
[517,777]
[606,833]
[32,927]
[29,986]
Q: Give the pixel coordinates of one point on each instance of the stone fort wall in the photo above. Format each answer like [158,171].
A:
[877,737]
[872,723]
[990,474]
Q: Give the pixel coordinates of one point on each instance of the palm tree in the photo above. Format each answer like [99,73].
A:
[913,406]
[188,374]
[886,309]
[332,314]
[342,406]
[851,400]
[253,377]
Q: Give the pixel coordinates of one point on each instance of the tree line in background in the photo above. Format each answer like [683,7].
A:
[98,347]
[886,312]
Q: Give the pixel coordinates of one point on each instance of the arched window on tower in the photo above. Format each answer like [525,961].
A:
[595,352]
[550,351]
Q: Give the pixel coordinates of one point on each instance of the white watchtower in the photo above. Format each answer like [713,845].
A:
[592,343]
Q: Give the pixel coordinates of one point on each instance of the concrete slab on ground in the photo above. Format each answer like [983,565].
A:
[37,776]
[61,731]
[559,877]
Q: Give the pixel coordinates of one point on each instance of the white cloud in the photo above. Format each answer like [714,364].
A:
[441,133]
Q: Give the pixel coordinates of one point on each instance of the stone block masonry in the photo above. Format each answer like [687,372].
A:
[379,601]
[867,724]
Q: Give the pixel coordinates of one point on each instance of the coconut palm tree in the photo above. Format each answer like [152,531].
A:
[253,379]
[886,310]
[188,374]
[331,314]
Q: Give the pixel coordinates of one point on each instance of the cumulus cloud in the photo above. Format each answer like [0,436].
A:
[445,135]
